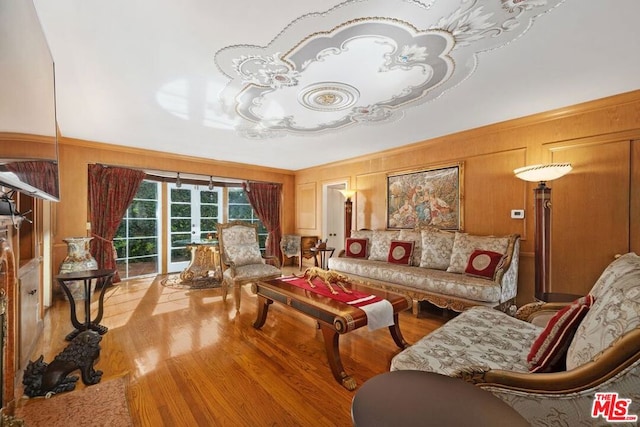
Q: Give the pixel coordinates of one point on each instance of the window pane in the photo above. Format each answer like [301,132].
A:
[179,255]
[141,247]
[145,265]
[180,239]
[208,197]
[121,247]
[240,212]
[208,225]
[178,225]
[209,211]
[181,195]
[208,235]
[237,196]
[142,228]
[148,190]
[143,209]
[142,266]
[179,210]
[122,229]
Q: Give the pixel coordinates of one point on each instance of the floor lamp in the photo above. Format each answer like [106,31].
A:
[542,202]
[348,210]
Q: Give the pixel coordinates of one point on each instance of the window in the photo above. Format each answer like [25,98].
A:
[192,211]
[136,241]
[239,209]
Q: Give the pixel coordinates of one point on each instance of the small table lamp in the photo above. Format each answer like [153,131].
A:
[542,198]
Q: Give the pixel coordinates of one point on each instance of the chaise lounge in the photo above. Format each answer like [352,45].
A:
[550,374]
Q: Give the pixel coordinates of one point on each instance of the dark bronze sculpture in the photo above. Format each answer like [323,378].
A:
[42,379]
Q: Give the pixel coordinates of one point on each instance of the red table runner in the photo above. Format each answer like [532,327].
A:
[355,299]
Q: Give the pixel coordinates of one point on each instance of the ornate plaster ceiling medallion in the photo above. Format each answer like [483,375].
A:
[328,96]
[356,69]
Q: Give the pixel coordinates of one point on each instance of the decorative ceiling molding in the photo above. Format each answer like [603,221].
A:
[335,69]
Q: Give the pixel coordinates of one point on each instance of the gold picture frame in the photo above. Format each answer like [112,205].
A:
[429,197]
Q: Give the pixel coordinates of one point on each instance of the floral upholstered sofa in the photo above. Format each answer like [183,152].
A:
[452,270]
[551,374]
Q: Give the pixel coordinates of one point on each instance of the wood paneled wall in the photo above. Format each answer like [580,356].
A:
[71,213]
[596,208]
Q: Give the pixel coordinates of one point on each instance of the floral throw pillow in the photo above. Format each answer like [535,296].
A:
[356,248]
[484,264]
[550,348]
[400,252]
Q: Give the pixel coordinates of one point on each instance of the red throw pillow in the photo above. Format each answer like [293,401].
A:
[400,252]
[550,348]
[484,264]
[356,248]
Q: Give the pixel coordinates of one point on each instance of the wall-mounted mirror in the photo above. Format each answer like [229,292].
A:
[28,130]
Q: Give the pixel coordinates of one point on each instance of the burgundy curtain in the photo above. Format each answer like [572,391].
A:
[265,199]
[111,190]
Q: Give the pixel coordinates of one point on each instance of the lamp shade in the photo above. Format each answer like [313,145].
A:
[348,194]
[542,173]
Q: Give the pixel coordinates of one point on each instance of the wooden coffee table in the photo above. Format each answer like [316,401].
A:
[334,317]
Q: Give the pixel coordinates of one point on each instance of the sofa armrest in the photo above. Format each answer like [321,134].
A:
[507,274]
[530,312]
[509,255]
[620,356]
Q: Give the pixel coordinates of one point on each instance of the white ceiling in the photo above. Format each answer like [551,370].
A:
[161,74]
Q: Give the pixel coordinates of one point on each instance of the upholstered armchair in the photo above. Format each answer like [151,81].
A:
[242,259]
[597,353]
[290,248]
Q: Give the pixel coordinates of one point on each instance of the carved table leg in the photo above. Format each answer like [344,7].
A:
[396,334]
[263,310]
[331,345]
[88,323]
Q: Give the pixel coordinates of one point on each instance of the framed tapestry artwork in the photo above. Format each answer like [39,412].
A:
[431,197]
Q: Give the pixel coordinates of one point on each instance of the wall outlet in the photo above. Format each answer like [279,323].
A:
[88,226]
[517,213]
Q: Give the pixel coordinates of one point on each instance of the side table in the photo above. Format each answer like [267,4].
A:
[419,398]
[323,256]
[105,276]
[557,297]
[205,261]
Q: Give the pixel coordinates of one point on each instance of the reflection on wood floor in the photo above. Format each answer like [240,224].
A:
[193,361]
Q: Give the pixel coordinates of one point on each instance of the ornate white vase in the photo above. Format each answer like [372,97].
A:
[78,259]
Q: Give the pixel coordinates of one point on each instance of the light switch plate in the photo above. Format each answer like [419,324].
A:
[517,213]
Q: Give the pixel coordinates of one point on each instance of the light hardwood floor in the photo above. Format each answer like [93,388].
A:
[193,361]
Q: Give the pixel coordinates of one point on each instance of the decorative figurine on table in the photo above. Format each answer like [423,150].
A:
[322,244]
[329,278]
[42,379]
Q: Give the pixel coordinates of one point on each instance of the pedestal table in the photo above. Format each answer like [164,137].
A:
[105,276]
